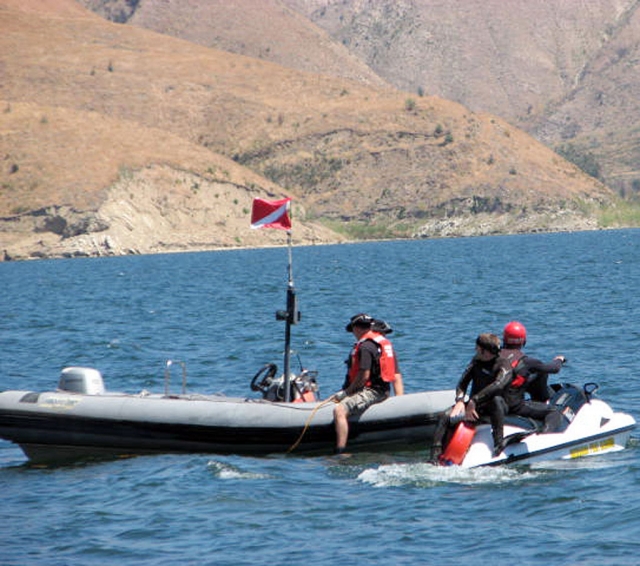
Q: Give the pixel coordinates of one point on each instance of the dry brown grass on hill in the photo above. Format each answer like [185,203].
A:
[56,8]
[87,99]
[132,74]
[262,29]
[133,189]
[563,71]
[80,154]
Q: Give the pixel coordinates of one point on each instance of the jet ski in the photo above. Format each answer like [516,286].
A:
[589,427]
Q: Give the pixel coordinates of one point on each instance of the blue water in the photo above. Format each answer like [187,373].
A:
[576,293]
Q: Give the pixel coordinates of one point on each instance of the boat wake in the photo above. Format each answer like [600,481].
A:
[422,474]
[428,475]
[225,471]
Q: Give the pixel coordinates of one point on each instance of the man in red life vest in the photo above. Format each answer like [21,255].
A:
[382,327]
[370,368]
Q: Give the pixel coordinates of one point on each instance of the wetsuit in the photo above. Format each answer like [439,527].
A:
[534,371]
[488,380]
[530,376]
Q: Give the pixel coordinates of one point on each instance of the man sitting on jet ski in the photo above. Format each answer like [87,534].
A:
[489,375]
[529,375]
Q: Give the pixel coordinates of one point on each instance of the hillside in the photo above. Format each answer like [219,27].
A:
[267,30]
[602,112]
[77,179]
[96,112]
[263,29]
[87,184]
[566,72]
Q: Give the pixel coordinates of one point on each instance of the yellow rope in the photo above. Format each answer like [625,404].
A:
[308,423]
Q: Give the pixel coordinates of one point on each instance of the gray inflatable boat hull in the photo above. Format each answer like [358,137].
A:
[59,425]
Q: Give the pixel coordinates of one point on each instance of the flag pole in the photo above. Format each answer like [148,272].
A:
[292,317]
[274,215]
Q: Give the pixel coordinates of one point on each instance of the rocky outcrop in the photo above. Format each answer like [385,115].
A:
[140,215]
[485,224]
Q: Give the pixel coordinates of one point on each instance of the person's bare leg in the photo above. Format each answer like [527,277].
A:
[342,427]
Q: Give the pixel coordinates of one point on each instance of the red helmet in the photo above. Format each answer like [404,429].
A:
[514,334]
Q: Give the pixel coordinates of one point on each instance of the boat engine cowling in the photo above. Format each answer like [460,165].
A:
[303,387]
[81,380]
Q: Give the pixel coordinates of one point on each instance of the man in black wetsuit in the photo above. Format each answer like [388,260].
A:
[488,374]
[529,376]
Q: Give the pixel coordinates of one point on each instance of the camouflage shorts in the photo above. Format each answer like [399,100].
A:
[358,403]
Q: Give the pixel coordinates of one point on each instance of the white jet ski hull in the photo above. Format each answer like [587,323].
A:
[593,429]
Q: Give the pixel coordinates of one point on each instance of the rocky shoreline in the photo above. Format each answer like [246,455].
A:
[62,232]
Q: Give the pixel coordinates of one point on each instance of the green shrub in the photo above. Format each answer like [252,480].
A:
[624,214]
[369,230]
[581,158]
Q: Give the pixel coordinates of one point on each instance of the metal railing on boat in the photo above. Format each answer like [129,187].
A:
[167,375]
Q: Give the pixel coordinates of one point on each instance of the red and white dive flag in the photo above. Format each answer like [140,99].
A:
[271,214]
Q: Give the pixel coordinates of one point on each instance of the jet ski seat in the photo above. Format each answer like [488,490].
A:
[523,422]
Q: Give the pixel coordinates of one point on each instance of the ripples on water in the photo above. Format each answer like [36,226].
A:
[577,294]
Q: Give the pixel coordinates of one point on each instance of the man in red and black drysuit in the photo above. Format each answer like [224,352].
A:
[529,376]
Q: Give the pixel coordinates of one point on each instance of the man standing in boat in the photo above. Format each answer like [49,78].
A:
[488,375]
[371,367]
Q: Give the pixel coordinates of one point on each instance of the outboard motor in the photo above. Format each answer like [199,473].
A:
[81,380]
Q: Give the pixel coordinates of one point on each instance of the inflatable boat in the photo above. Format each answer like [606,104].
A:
[589,427]
[80,419]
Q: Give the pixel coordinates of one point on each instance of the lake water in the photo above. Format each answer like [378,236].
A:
[576,293]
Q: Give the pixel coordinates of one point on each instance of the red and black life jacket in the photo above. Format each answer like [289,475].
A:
[514,357]
[387,359]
